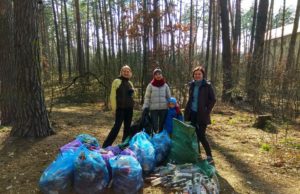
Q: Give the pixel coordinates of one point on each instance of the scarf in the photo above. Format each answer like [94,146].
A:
[158,83]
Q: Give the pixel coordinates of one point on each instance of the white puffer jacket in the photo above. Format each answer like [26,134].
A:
[156,98]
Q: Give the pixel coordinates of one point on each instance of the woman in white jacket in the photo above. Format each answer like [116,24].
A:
[156,100]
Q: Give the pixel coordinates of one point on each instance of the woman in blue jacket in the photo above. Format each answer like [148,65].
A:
[199,106]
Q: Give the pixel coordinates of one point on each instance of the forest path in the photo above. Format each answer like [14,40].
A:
[237,148]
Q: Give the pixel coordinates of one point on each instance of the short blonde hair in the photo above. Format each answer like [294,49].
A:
[125,67]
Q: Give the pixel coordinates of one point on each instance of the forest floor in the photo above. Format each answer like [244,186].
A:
[248,160]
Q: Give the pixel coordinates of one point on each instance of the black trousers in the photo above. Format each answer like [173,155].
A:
[158,118]
[200,131]
[122,115]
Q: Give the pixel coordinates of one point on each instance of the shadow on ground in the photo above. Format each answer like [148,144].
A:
[225,187]
[258,184]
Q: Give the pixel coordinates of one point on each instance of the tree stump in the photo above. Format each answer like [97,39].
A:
[261,121]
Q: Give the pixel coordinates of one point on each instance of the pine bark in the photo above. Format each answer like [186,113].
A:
[256,61]
[31,116]
[59,65]
[236,40]
[226,53]
[68,39]
[7,73]
[80,55]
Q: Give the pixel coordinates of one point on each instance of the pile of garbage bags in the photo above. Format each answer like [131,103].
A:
[82,166]
[85,168]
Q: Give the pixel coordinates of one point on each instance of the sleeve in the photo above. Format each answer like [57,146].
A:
[113,94]
[168,92]
[134,92]
[211,99]
[147,97]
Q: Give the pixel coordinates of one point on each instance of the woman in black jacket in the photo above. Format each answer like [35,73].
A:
[199,106]
[121,100]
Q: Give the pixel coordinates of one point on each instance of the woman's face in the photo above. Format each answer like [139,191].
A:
[158,76]
[198,75]
[126,73]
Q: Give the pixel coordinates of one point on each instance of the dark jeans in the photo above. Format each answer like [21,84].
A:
[200,131]
[158,118]
[122,114]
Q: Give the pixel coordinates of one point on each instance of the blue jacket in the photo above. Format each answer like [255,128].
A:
[172,113]
[206,101]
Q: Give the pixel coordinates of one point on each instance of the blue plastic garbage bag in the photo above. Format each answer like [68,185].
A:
[71,146]
[127,174]
[129,152]
[162,145]
[58,176]
[144,151]
[115,149]
[90,172]
[106,155]
[89,141]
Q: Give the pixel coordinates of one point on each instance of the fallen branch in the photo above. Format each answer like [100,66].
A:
[87,74]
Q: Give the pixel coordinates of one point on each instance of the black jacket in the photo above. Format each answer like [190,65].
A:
[206,102]
[125,94]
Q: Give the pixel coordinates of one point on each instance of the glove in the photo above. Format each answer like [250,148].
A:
[146,111]
[130,92]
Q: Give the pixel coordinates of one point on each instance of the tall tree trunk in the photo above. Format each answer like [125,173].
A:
[208,36]
[269,35]
[45,48]
[62,34]
[290,64]
[179,60]
[256,61]
[96,20]
[7,73]
[172,34]
[112,35]
[253,26]
[218,46]
[80,56]
[156,17]
[298,57]
[145,48]
[214,41]
[251,44]
[226,53]
[107,28]
[119,37]
[59,65]
[31,117]
[103,37]
[282,33]
[87,47]
[236,39]
[191,37]
[203,32]
[124,44]
[105,60]
[68,39]
[231,17]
